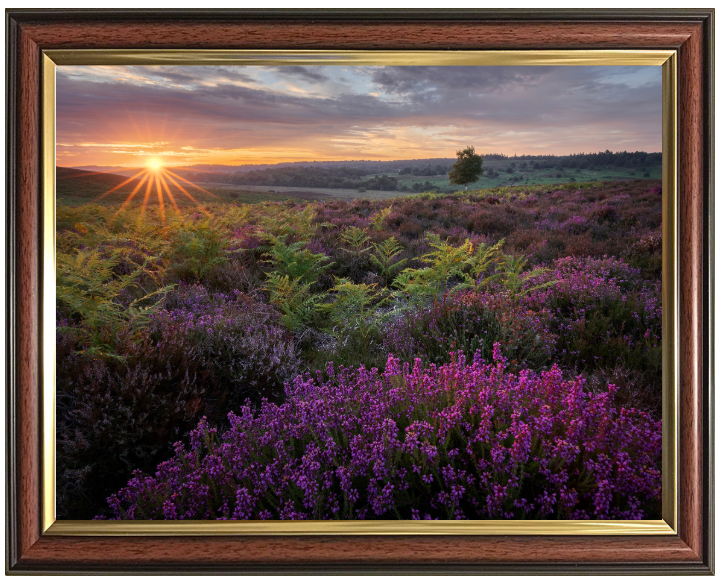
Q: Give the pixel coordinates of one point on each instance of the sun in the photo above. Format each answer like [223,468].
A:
[156,174]
[154,164]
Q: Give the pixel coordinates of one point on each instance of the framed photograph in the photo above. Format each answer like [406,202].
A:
[360,291]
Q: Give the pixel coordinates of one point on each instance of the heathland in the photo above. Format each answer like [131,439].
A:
[494,353]
[348,180]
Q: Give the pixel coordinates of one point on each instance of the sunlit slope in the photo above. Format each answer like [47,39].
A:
[75,187]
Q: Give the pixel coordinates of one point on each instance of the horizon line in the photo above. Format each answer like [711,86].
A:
[133,166]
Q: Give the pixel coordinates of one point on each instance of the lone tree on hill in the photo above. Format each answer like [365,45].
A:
[467,168]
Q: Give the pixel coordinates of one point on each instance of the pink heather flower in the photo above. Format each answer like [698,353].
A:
[459,440]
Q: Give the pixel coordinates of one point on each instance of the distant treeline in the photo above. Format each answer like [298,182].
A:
[368,166]
[305,177]
[357,174]
[595,160]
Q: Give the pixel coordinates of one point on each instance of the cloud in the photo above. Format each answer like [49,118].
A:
[308,74]
[409,80]
[371,111]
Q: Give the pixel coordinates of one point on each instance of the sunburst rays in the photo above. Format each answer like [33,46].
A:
[156,180]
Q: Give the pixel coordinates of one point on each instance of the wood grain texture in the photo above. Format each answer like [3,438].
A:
[686,553]
[348,36]
[690,248]
[261,551]
[28,303]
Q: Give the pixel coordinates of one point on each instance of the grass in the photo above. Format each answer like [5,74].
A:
[77,187]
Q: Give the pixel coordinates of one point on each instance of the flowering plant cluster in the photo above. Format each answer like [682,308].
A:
[461,440]
[581,312]
[239,339]
[219,309]
[604,312]
[201,354]
[470,322]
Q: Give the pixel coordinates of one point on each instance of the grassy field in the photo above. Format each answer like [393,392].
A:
[78,187]
[500,178]
[275,192]
[529,176]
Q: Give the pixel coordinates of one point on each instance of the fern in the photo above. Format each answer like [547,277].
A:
[356,239]
[196,251]
[87,287]
[385,257]
[283,222]
[513,278]
[294,299]
[297,262]
[234,217]
[445,263]
[484,257]
[378,219]
[354,308]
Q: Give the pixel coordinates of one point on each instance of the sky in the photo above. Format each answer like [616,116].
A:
[184,115]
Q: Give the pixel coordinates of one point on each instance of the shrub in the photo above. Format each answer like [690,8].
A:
[605,315]
[353,311]
[449,267]
[232,275]
[245,359]
[196,250]
[294,299]
[113,420]
[463,440]
[470,322]
[204,354]
[297,262]
[244,351]
[386,258]
[89,291]
[115,416]
[445,263]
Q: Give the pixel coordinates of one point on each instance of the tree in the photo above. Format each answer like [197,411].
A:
[467,168]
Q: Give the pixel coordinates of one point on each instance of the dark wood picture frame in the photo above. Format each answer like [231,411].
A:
[690,32]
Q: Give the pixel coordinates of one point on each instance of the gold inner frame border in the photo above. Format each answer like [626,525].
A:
[666,526]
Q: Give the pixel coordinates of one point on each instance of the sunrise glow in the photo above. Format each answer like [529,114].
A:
[155,164]
[182,116]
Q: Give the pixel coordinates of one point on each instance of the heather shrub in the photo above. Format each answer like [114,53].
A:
[232,275]
[491,222]
[410,230]
[470,322]
[458,441]
[117,415]
[557,274]
[242,347]
[202,355]
[605,314]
